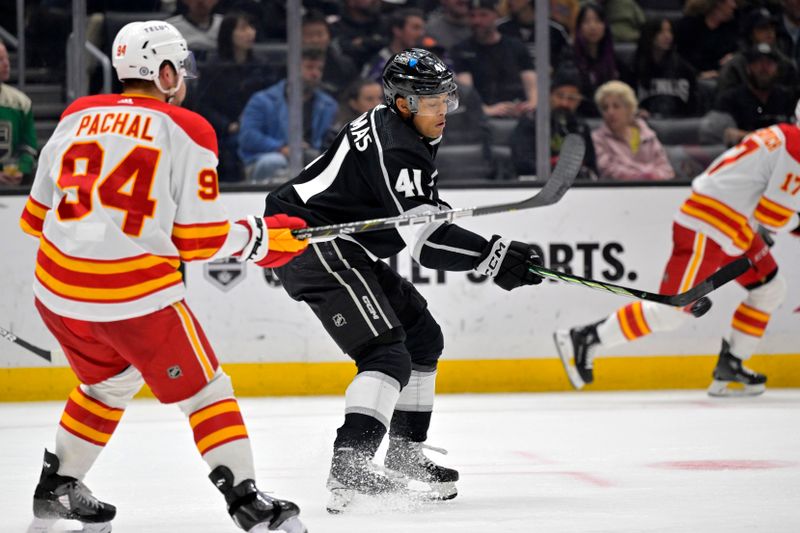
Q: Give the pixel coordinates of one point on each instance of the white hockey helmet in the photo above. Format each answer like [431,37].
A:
[141,47]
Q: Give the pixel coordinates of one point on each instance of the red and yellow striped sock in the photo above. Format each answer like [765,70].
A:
[632,321]
[89,419]
[217,424]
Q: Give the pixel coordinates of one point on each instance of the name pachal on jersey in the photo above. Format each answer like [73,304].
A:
[126,188]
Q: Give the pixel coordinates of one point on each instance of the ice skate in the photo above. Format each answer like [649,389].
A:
[576,349]
[254,511]
[732,378]
[59,498]
[406,458]
[353,472]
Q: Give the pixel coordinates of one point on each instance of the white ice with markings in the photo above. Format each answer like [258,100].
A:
[562,462]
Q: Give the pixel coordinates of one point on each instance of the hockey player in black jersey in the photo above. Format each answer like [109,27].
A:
[382,164]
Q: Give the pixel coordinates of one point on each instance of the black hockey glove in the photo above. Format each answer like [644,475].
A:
[507,263]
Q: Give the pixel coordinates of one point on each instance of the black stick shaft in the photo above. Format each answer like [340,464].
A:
[727,273]
[44,354]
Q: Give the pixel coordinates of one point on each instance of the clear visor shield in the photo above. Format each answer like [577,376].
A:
[434,104]
[189,66]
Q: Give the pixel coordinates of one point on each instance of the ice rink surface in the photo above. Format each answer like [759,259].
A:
[561,462]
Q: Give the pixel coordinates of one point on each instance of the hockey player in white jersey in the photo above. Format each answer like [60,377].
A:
[126,188]
[754,183]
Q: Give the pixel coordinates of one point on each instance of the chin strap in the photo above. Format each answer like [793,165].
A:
[170,93]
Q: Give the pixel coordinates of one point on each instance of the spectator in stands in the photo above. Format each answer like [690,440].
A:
[340,71]
[565,12]
[17,131]
[789,31]
[665,84]
[498,66]
[565,97]
[757,104]
[625,19]
[263,132]
[358,98]
[627,149]
[706,35]
[199,25]
[227,81]
[407,27]
[521,24]
[760,27]
[594,55]
[360,32]
[449,24]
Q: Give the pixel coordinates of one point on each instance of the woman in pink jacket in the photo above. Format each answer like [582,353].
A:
[627,149]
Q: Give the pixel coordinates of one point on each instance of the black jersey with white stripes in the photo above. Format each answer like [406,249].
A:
[379,166]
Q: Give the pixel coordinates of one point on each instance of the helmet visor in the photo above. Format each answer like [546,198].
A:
[434,104]
[189,66]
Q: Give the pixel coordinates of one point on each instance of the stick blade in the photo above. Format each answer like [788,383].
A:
[728,273]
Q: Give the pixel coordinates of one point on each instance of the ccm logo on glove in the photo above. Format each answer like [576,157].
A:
[507,263]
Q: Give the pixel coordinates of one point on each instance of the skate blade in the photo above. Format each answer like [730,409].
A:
[339,499]
[563,344]
[422,490]
[732,389]
[290,525]
[442,491]
[58,525]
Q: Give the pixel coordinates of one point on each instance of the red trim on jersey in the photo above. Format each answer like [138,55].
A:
[792,135]
[743,232]
[194,125]
[103,281]
[190,245]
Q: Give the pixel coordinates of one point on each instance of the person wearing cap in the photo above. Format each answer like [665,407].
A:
[756,104]
[565,97]
[760,27]
[498,66]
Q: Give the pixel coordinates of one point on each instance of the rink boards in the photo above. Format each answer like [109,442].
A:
[494,340]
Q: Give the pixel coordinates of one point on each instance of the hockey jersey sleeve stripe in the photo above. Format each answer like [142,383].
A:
[32,219]
[721,217]
[772,214]
[379,148]
[200,241]
[196,231]
[104,266]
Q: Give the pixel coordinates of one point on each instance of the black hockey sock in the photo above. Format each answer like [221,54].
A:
[410,425]
[360,432]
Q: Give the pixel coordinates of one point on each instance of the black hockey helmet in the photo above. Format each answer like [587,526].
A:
[415,73]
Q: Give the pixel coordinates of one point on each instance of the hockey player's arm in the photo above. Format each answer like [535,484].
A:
[201,229]
[450,247]
[40,200]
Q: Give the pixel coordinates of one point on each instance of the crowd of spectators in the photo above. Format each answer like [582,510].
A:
[639,80]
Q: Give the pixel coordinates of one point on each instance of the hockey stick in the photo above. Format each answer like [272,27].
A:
[569,163]
[41,352]
[722,276]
